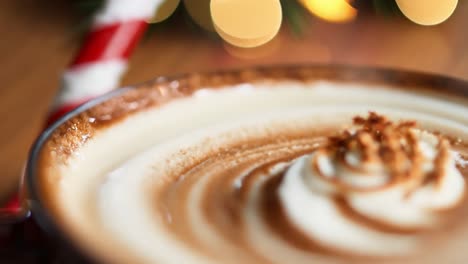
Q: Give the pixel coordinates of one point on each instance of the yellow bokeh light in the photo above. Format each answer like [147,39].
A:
[246,23]
[254,53]
[427,12]
[338,11]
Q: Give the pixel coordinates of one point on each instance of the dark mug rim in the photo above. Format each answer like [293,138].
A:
[345,73]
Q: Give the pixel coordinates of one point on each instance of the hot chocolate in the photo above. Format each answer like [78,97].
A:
[267,166]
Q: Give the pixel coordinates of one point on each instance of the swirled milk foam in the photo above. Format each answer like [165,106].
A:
[282,172]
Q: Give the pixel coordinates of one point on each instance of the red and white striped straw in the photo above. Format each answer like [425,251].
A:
[102,59]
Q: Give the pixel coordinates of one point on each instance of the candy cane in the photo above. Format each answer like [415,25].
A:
[103,57]
[101,61]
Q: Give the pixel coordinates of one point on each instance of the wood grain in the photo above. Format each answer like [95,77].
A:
[38,40]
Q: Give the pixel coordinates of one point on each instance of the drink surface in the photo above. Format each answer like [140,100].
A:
[249,173]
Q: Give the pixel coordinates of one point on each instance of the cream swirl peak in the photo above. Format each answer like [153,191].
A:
[371,184]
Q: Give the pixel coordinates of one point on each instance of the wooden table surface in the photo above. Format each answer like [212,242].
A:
[37,41]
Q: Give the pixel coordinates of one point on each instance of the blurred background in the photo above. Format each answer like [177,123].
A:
[40,38]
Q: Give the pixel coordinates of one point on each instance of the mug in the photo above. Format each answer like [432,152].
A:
[127,101]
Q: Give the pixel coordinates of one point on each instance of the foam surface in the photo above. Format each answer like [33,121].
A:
[218,142]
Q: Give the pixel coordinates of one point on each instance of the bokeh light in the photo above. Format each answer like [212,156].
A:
[246,23]
[255,53]
[427,12]
[337,11]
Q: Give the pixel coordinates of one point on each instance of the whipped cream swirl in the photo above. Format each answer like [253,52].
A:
[268,180]
[372,186]
[279,193]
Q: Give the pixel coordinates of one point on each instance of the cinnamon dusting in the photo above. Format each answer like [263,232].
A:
[395,146]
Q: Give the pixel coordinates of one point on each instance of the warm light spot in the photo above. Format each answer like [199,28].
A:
[164,11]
[246,23]
[255,53]
[338,11]
[427,12]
